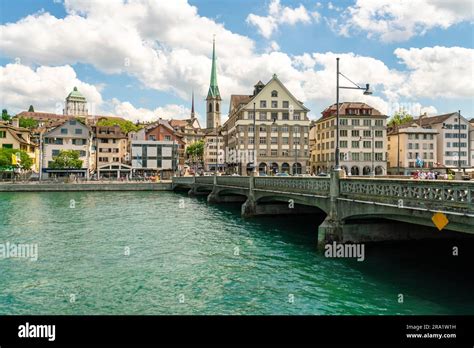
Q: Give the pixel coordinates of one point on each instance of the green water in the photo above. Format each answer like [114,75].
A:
[188,257]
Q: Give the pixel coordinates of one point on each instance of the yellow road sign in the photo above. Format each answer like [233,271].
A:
[440,220]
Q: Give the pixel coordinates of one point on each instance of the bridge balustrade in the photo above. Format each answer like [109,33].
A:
[317,186]
[457,196]
[239,181]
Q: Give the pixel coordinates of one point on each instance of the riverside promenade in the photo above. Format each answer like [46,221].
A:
[85,186]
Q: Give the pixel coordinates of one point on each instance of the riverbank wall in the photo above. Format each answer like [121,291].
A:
[86,186]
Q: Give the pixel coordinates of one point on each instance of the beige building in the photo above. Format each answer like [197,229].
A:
[471,140]
[14,137]
[362,140]
[451,141]
[214,150]
[111,149]
[281,131]
[413,146]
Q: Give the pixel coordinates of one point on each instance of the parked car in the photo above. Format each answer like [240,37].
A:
[282,174]
[322,174]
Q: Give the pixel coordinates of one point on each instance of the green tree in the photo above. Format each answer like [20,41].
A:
[6,158]
[67,159]
[27,122]
[31,109]
[195,151]
[5,115]
[399,118]
[126,126]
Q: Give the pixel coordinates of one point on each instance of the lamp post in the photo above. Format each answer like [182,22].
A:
[366,90]
[398,149]
[459,141]
[254,169]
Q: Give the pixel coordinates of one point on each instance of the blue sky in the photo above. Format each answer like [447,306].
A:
[433,55]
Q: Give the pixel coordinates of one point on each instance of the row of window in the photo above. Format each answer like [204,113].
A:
[353,122]
[274,129]
[454,126]
[60,141]
[416,136]
[274,140]
[455,135]
[366,144]
[456,145]
[351,156]
[284,153]
[111,150]
[274,104]
[76,131]
[285,116]
[416,146]
[106,159]
[414,155]
[455,153]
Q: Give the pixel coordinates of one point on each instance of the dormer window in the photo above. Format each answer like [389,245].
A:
[274,94]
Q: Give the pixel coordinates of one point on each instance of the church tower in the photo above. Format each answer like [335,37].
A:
[213,100]
[76,104]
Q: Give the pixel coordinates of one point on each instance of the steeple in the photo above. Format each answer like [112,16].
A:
[192,106]
[213,100]
[213,87]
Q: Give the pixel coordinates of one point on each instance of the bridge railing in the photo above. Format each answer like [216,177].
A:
[238,181]
[205,180]
[184,180]
[436,194]
[317,186]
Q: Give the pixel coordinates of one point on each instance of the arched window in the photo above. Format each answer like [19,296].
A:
[210,107]
[366,170]
[285,168]
[379,170]
[274,94]
[297,169]
[355,170]
[217,107]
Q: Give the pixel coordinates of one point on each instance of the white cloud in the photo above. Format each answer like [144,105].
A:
[44,87]
[278,15]
[399,20]
[130,112]
[165,52]
[438,72]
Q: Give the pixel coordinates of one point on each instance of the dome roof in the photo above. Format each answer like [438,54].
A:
[76,94]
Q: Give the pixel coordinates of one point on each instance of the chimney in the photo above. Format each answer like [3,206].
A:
[15,122]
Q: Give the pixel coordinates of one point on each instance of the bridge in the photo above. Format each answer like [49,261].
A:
[354,209]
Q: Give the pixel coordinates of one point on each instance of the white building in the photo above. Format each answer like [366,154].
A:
[70,135]
[453,138]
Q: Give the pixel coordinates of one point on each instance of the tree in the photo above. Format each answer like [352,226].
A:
[5,115]
[67,159]
[28,123]
[6,158]
[195,151]
[31,109]
[126,126]
[399,118]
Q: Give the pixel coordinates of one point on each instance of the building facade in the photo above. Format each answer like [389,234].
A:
[269,129]
[111,149]
[156,150]
[452,139]
[411,147]
[70,135]
[14,137]
[362,140]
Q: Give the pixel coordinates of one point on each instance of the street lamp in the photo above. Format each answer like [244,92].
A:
[367,91]
[254,169]
[459,141]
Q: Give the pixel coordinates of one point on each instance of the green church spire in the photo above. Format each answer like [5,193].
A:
[213,88]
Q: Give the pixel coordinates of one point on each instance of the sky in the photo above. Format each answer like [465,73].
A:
[142,59]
